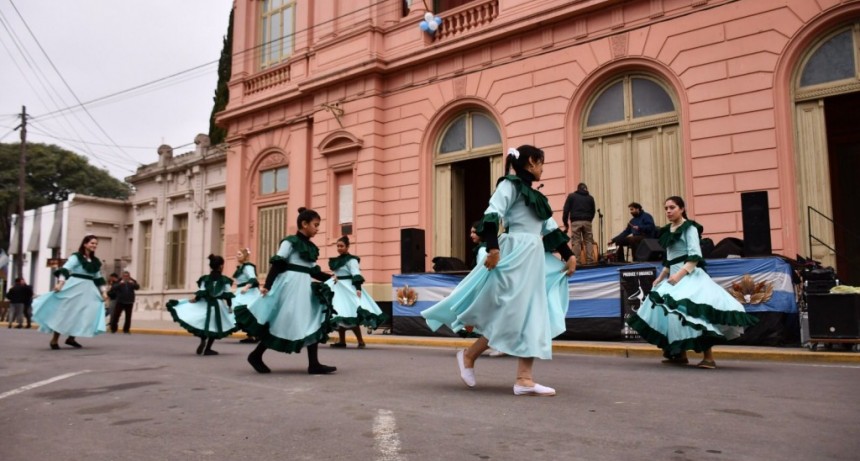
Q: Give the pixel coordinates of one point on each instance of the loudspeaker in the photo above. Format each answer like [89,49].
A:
[728,246]
[756,219]
[411,250]
[649,250]
[835,316]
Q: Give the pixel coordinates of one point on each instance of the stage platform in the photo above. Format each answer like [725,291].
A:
[595,309]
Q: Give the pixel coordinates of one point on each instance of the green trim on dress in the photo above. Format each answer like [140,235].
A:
[363,317]
[668,236]
[93,265]
[488,218]
[533,198]
[306,249]
[196,331]
[703,311]
[248,323]
[340,261]
[240,269]
[707,340]
[554,239]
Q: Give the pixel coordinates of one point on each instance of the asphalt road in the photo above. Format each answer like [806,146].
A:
[141,397]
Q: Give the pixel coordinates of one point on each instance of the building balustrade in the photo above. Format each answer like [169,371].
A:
[268,79]
[465,18]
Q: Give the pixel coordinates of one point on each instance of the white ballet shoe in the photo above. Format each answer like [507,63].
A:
[466,374]
[536,390]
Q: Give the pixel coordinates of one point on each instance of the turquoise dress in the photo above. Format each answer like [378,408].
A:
[695,313]
[246,275]
[350,310]
[520,305]
[209,316]
[296,312]
[78,309]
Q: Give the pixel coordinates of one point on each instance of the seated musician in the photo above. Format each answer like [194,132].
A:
[640,227]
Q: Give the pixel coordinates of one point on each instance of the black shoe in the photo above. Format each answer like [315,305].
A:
[201,347]
[257,362]
[249,340]
[19,327]
[55,346]
[210,352]
[321,370]
[73,343]
[338,345]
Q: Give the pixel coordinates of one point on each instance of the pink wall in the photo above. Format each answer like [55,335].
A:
[533,67]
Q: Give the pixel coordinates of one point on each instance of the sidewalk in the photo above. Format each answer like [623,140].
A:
[618,349]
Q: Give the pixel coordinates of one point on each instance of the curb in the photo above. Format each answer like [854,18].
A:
[752,353]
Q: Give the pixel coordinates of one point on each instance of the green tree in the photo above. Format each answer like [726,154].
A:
[52,174]
[222,93]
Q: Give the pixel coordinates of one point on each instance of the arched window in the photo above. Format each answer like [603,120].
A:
[468,161]
[470,134]
[832,60]
[632,98]
[631,148]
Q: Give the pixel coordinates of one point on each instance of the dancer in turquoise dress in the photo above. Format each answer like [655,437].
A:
[353,304]
[506,299]
[76,307]
[686,310]
[247,285]
[207,315]
[293,312]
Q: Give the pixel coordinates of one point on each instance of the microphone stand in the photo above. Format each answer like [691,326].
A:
[600,252]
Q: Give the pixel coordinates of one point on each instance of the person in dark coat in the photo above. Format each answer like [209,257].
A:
[19,296]
[123,292]
[579,212]
[640,227]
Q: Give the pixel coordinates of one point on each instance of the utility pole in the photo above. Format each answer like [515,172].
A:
[22,169]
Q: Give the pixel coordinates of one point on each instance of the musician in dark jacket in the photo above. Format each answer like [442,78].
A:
[579,212]
[123,292]
[640,227]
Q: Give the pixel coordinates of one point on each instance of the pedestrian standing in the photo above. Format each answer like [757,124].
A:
[207,315]
[354,306]
[293,312]
[577,216]
[19,296]
[686,310]
[508,300]
[111,304]
[76,306]
[123,292]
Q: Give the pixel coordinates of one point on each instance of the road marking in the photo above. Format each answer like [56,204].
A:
[385,434]
[40,384]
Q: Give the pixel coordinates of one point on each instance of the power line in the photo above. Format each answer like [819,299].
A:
[240,54]
[68,87]
[150,148]
[41,79]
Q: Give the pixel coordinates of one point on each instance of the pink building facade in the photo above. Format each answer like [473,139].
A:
[350,109]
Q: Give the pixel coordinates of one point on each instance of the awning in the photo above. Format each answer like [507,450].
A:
[13,243]
[54,239]
[36,233]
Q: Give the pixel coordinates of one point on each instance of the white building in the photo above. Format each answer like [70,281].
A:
[177,220]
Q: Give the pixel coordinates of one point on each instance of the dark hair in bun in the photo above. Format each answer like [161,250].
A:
[344,239]
[306,215]
[216,262]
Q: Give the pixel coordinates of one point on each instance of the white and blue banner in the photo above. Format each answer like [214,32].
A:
[596,293]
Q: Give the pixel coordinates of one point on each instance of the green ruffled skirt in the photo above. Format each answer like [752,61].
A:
[694,314]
